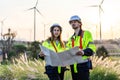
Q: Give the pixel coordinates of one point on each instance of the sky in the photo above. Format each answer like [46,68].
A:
[15,14]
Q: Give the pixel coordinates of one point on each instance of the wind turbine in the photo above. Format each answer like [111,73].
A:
[35,9]
[100,10]
[2,24]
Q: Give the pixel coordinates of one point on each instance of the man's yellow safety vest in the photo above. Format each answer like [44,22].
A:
[83,41]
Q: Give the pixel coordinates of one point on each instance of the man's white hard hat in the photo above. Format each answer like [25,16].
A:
[75,18]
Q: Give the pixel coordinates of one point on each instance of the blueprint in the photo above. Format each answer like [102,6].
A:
[67,57]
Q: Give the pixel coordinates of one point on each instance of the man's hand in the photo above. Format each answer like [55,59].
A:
[80,53]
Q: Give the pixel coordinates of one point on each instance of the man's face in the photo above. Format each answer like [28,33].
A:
[75,24]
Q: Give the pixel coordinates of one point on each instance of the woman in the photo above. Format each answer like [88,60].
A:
[56,44]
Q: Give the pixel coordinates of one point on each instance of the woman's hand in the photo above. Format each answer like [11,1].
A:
[41,54]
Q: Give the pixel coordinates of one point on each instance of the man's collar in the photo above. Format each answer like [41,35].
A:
[78,33]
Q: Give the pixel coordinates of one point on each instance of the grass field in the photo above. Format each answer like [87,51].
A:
[103,69]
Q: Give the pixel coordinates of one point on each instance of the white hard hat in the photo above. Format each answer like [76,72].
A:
[75,17]
[55,25]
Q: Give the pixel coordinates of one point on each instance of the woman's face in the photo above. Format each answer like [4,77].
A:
[56,32]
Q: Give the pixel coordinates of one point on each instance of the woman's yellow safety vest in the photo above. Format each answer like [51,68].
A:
[54,47]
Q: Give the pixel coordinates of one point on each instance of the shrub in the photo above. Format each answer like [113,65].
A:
[19,48]
[100,73]
[35,49]
[102,51]
[16,50]
[105,69]
[5,73]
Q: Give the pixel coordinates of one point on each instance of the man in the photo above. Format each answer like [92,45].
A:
[84,40]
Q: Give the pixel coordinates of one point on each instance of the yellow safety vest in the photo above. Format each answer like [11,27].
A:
[84,41]
[55,48]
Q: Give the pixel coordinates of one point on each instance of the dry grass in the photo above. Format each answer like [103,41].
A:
[23,69]
[106,63]
[31,69]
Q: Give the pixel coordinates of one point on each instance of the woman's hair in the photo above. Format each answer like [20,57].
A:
[59,37]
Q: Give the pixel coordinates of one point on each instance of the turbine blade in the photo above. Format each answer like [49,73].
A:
[36,3]
[93,6]
[39,12]
[101,2]
[30,8]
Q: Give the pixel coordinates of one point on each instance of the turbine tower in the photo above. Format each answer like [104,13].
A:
[100,10]
[35,9]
